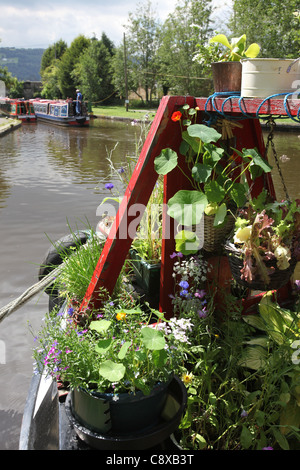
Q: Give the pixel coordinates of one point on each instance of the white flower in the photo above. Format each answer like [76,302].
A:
[243,234]
[115,398]
[283,255]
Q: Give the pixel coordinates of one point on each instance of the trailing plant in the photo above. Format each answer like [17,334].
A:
[265,232]
[118,351]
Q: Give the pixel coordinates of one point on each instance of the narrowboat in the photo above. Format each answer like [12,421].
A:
[60,112]
[18,108]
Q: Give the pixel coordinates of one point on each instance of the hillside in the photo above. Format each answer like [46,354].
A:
[24,64]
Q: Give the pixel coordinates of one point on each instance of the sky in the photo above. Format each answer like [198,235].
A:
[40,23]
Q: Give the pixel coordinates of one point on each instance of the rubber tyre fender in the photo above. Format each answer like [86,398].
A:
[54,256]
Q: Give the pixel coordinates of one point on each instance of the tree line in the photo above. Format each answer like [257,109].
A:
[171,56]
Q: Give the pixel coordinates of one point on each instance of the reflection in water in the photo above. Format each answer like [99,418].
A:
[51,177]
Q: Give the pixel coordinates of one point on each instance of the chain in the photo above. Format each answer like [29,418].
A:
[271,123]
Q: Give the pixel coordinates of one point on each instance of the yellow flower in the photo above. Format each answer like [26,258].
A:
[120,316]
[187,378]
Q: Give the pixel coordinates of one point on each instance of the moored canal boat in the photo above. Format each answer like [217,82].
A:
[18,108]
[60,112]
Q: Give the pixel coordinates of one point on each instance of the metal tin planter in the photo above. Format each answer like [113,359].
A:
[147,275]
[129,413]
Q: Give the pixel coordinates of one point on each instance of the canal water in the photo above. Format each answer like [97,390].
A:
[51,179]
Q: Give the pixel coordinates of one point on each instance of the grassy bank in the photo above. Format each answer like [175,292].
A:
[141,114]
[120,111]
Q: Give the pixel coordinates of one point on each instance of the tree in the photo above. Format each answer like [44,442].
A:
[186,27]
[93,71]
[66,65]
[141,49]
[53,53]
[273,24]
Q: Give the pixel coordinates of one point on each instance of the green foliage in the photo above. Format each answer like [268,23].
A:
[68,61]
[93,71]
[115,353]
[243,373]
[273,24]
[237,47]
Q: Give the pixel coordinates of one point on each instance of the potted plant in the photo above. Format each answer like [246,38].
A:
[243,370]
[227,71]
[217,182]
[264,248]
[117,367]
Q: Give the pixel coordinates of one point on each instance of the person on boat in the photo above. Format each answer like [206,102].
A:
[78,102]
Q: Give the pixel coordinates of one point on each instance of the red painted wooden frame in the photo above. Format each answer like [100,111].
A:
[166,133]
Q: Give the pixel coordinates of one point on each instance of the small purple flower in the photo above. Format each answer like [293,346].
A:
[267,448]
[70,311]
[202,313]
[121,170]
[174,254]
[184,293]
[297,284]
[244,414]
[109,186]
[200,294]
[184,284]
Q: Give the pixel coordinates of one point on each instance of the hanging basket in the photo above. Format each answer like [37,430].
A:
[214,237]
[278,277]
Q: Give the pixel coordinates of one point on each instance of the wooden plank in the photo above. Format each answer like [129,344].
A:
[163,133]
[250,106]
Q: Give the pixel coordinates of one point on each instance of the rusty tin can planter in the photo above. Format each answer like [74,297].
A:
[227,76]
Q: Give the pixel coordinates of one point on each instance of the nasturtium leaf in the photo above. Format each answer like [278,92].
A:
[124,349]
[194,144]
[256,159]
[184,148]
[153,339]
[220,215]
[187,207]
[166,161]
[187,242]
[100,325]
[214,192]
[204,133]
[213,154]
[103,346]
[201,172]
[112,371]
[238,194]
[159,357]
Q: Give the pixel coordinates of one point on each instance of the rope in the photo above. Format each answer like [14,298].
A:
[234,94]
[29,293]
